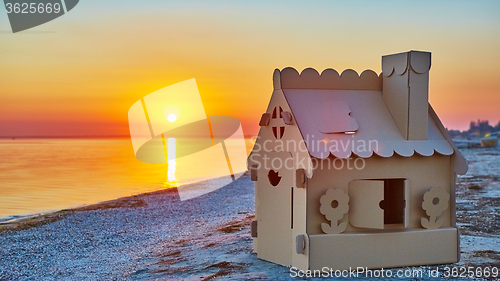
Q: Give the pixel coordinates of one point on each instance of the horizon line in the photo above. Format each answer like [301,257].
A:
[77,137]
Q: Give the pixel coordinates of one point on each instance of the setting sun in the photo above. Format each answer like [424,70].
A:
[171,118]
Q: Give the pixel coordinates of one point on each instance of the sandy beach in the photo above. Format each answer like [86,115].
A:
[155,236]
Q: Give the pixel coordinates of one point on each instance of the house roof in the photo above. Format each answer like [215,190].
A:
[345,115]
[375,133]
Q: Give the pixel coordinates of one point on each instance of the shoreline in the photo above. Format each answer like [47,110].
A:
[85,207]
[124,201]
[22,222]
[33,220]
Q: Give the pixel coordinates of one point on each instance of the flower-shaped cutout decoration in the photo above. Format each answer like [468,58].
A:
[334,205]
[435,203]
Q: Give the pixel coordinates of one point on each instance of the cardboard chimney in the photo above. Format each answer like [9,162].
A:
[355,170]
[406,91]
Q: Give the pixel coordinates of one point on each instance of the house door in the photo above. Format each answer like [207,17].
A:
[379,203]
[274,208]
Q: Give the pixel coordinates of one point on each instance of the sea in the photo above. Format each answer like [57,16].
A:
[40,175]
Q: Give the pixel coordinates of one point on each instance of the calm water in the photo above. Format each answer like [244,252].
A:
[40,175]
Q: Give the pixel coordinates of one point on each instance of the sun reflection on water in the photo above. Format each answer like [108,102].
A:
[171,147]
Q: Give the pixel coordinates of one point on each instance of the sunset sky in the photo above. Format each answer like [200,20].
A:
[79,74]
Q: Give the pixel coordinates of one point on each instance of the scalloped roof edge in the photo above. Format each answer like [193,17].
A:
[416,61]
[386,154]
[329,79]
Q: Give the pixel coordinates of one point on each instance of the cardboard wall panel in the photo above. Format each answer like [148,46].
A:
[423,172]
[378,250]
[275,213]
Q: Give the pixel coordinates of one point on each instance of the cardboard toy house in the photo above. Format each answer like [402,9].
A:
[355,170]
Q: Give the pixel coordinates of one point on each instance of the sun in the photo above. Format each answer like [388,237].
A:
[171,118]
